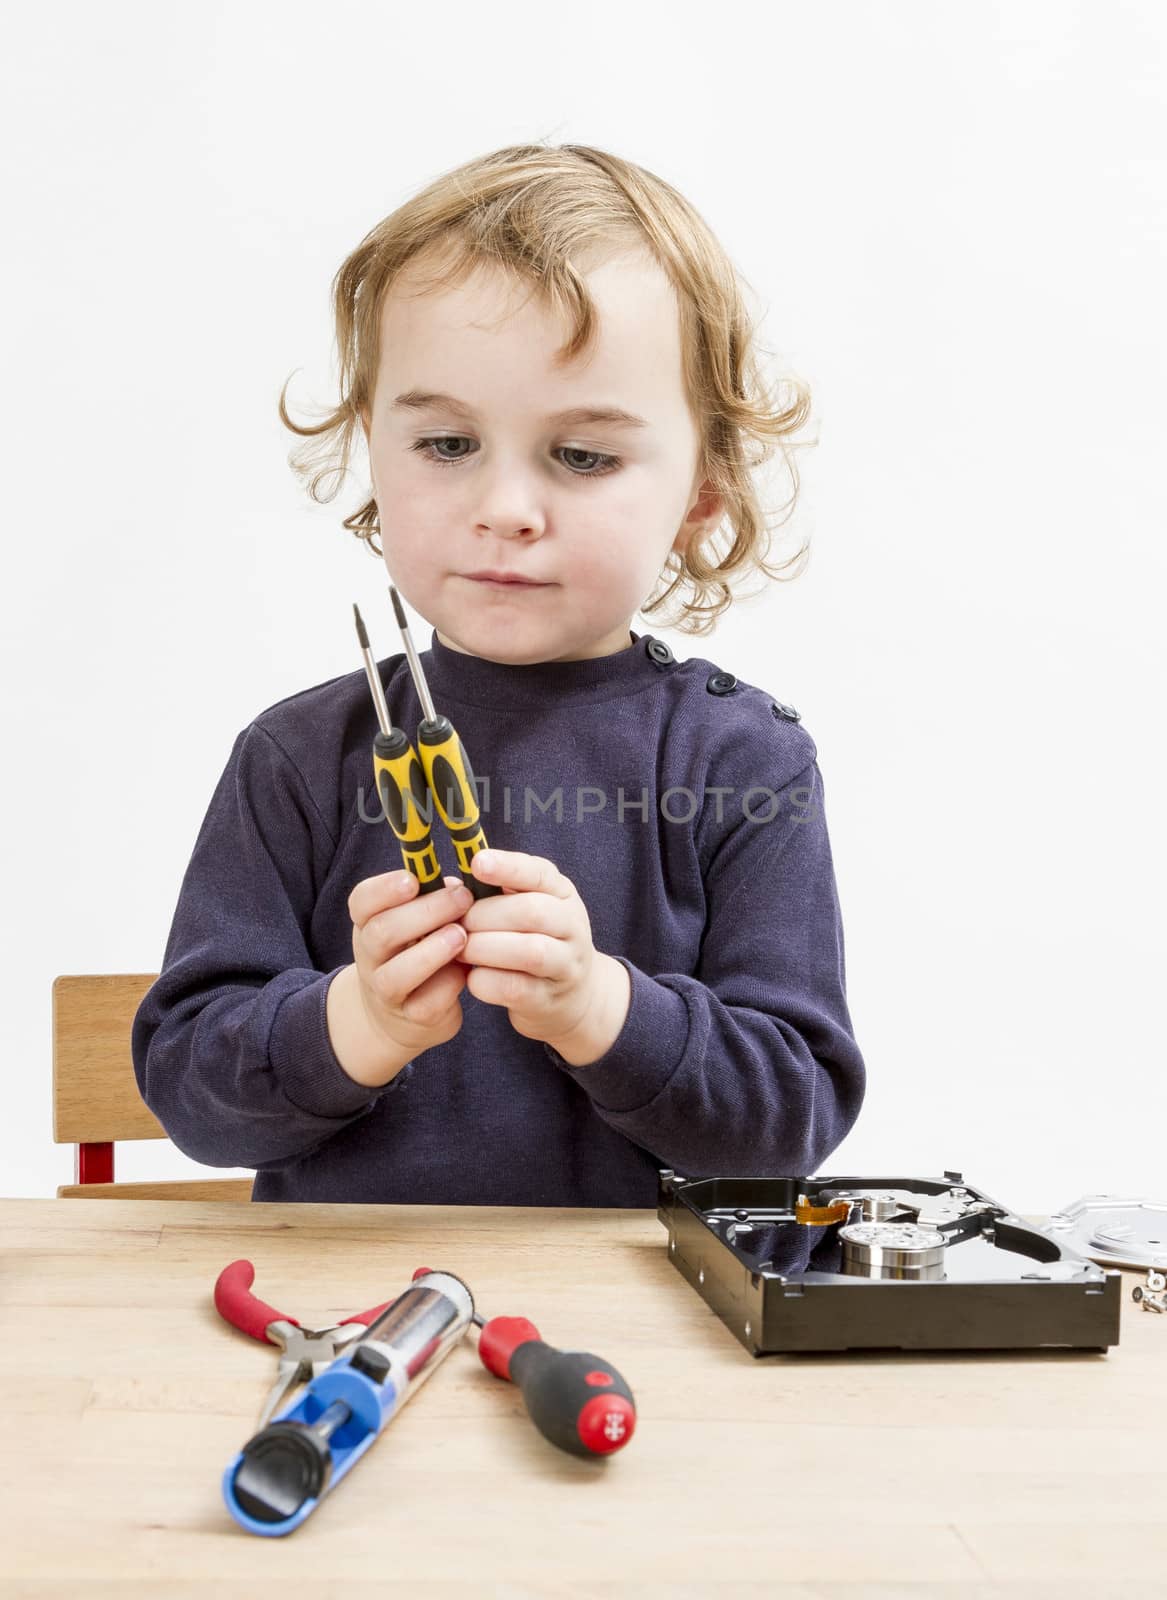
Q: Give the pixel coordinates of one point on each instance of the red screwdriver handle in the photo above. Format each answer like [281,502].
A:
[577,1400]
[498,1340]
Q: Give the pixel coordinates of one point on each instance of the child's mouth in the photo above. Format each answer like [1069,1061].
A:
[507,583]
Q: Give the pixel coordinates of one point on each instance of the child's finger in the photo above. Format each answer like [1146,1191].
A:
[396,979]
[523,912]
[432,998]
[548,960]
[391,895]
[380,893]
[387,932]
[376,894]
[514,869]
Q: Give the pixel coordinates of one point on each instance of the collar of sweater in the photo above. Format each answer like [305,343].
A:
[499,685]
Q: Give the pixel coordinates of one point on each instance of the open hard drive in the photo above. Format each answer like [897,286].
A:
[797,1264]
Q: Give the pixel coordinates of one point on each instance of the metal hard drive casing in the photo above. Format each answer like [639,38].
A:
[904,1264]
[1113,1230]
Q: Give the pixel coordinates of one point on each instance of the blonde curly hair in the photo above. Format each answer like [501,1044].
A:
[536,211]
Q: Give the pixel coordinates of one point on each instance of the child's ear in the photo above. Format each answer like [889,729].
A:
[701,518]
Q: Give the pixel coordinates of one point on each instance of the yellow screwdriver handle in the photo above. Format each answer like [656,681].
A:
[407,804]
[451,781]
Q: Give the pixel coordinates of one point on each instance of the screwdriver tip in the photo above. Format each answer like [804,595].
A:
[397,607]
[361,634]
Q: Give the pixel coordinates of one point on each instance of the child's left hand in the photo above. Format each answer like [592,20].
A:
[530,950]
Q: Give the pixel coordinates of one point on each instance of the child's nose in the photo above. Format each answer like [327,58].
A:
[510,503]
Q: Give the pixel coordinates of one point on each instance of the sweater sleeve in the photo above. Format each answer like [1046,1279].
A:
[749,1067]
[230,1044]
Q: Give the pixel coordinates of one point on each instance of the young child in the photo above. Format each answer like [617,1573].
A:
[548,356]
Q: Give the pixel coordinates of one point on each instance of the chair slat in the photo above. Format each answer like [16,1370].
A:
[194,1189]
[95,1093]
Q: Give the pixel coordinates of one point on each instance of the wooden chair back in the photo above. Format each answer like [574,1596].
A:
[95,1093]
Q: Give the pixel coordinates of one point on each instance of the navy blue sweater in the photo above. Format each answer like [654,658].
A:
[685,806]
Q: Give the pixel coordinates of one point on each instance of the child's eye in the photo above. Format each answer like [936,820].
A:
[425,446]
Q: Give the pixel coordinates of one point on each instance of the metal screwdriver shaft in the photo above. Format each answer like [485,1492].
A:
[411,655]
[373,676]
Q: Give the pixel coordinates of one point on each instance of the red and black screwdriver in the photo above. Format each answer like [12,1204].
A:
[577,1400]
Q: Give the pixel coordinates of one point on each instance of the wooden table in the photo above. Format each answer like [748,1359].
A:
[847,1475]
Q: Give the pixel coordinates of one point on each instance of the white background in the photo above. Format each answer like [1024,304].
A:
[954,221]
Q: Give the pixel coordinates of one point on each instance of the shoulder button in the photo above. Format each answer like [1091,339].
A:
[659,651]
[722,683]
[788,712]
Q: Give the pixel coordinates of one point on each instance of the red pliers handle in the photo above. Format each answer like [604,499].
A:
[304,1352]
[236,1304]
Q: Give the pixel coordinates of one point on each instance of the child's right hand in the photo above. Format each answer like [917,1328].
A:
[401,995]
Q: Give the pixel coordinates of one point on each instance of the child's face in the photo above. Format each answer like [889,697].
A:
[503,487]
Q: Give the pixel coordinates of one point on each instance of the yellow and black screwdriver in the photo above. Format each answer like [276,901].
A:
[448,772]
[405,794]
[400,781]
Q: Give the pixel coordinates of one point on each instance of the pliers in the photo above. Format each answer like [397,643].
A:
[304,1352]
